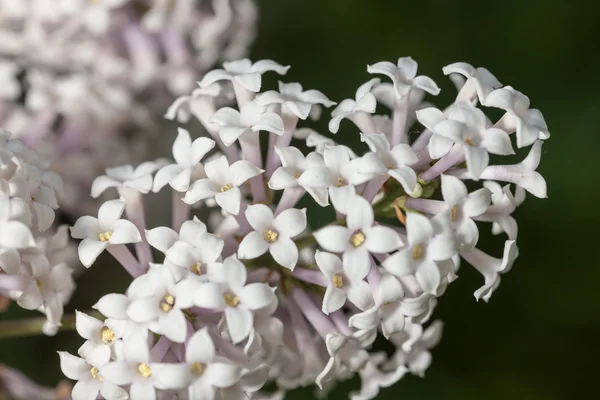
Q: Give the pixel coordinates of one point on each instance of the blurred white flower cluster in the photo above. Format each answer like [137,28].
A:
[35,263]
[258,296]
[82,81]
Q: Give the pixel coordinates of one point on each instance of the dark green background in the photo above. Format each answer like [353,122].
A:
[538,337]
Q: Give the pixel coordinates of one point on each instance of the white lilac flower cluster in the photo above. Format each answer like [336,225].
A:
[34,262]
[263,298]
[81,80]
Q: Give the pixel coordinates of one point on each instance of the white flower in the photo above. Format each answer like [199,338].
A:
[523,174]
[205,370]
[158,302]
[87,374]
[359,237]
[47,286]
[344,352]
[187,155]
[364,102]
[424,250]
[342,283]
[125,176]
[491,267]
[184,107]
[273,234]
[99,233]
[404,76]
[229,292]
[13,234]
[481,79]
[234,124]
[97,333]
[372,378]
[390,161]
[294,164]
[467,127]
[295,100]
[188,253]
[143,376]
[339,176]
[413,347]
[243,72]
[528,122]
[222,183]
[499,213]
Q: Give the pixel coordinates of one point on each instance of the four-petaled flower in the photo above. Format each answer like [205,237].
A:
[404,76]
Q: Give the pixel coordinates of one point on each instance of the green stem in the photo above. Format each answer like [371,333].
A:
[33,326]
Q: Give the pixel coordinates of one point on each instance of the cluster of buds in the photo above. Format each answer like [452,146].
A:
[265,297]
[34,263]
[75,73]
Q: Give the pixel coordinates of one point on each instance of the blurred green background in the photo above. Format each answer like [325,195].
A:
[538,338]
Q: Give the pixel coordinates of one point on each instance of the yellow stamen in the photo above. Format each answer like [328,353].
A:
[104,236]
[167,303]
[196,268]
[39,284]
[339,182]
[454,213]
[270,235]
[417,252]
[468,141]
[338,281]
[197,368]
[357,239]
[144,370]
[108,335]
[231,299]
[226,187]
[96,374]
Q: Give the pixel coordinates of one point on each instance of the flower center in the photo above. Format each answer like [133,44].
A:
[167,303]
[197,368]
[196,268]
[297,175]
[108,335]
[340,182]
[104,236]
[338,281]
[96,374]
[417,252]
[231,299]
[144,370]
[468,141]
[39,284]
[357,238]
[454,213]
[226,187]
[270,235]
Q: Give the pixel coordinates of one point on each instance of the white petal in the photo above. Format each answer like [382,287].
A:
[86,390]
[223,375]
[86,326]
[113,305]
[161,238]
[430,117]
[173,325]
[170,376]
[239,323]
[453,190]
[89,250]
[102,183]
[243,170]
[200,348]
[118,372]
[200,147]
[477,160]
[142,390]
[284,252]
[291,222]
[144,309]
[328,263]
[125,232]
[256,295]
[109,213]
[15,234]
[496,141]
[164,175]
[73,367]
[477,202]
[333,238]
[367,319]
[252,246]
[200,190]
[210,295]
[389,290]
[382,239]
[439,146]
[260,217]
[360,295]
[333,300]
[356,262]
[282,179]
[429,277]
[182,148]
[230,200]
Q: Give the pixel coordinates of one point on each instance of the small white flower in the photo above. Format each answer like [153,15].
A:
[294,99]
[99,233]
[243,72]
[187,155]
[528,122]
[365,102]
[13,234]
[344,352]
[480,78]
[273,234]
[143,376]
[125,176]
[234,124]
[229,292]
[467,127]
[426,247]
[158,302]
[499,213]
[342,283]
[97,333]
[404,76]
[391,161]
[222,183]
[205,370]
[359,237]
[413,347]
[87,374]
